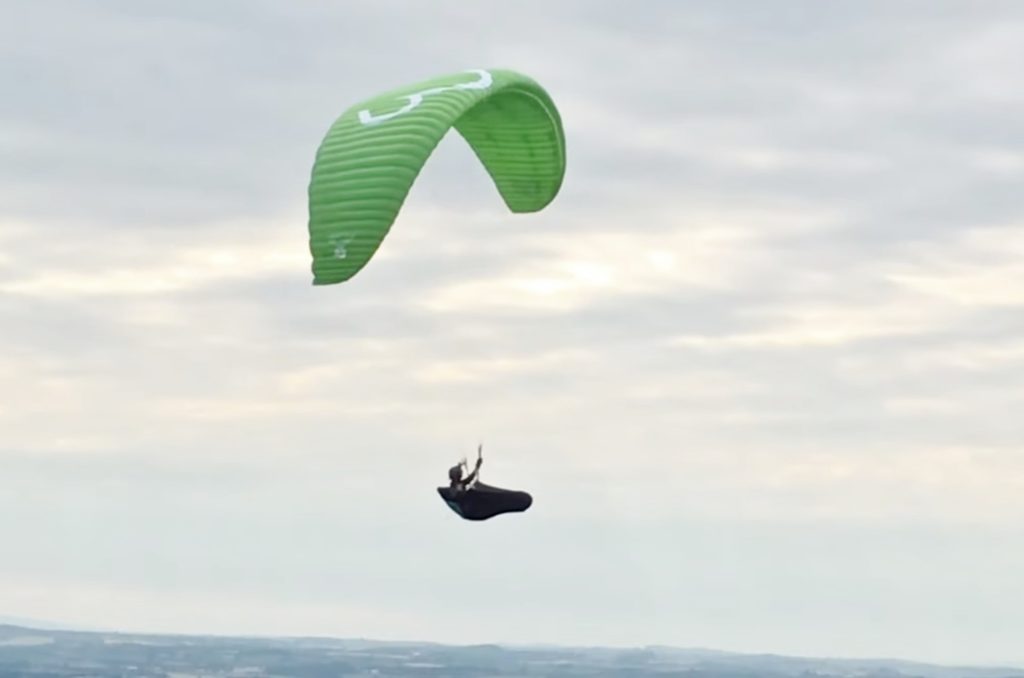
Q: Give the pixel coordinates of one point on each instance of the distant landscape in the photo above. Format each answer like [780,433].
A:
[46,653]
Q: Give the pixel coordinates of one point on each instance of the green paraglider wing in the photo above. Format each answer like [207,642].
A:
[371,155]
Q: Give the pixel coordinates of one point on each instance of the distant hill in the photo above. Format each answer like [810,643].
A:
[37,624]
[37,651]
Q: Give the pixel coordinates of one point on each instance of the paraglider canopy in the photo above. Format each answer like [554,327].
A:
[373,152]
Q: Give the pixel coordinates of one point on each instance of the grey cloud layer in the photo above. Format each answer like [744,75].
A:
[774,313]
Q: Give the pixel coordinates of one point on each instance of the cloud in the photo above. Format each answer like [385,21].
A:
[146,266]
[980,268]
[678,251]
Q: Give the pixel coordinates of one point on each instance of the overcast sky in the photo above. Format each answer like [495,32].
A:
[760,363]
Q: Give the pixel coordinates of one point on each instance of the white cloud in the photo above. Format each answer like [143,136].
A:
[199,611]
[981,267]
[677,250]
[491,369]
[824,324]
[136,266]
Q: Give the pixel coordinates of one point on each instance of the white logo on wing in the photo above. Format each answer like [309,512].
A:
[413,100]
[341,245]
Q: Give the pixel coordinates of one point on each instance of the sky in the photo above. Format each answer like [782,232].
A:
[760,363]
